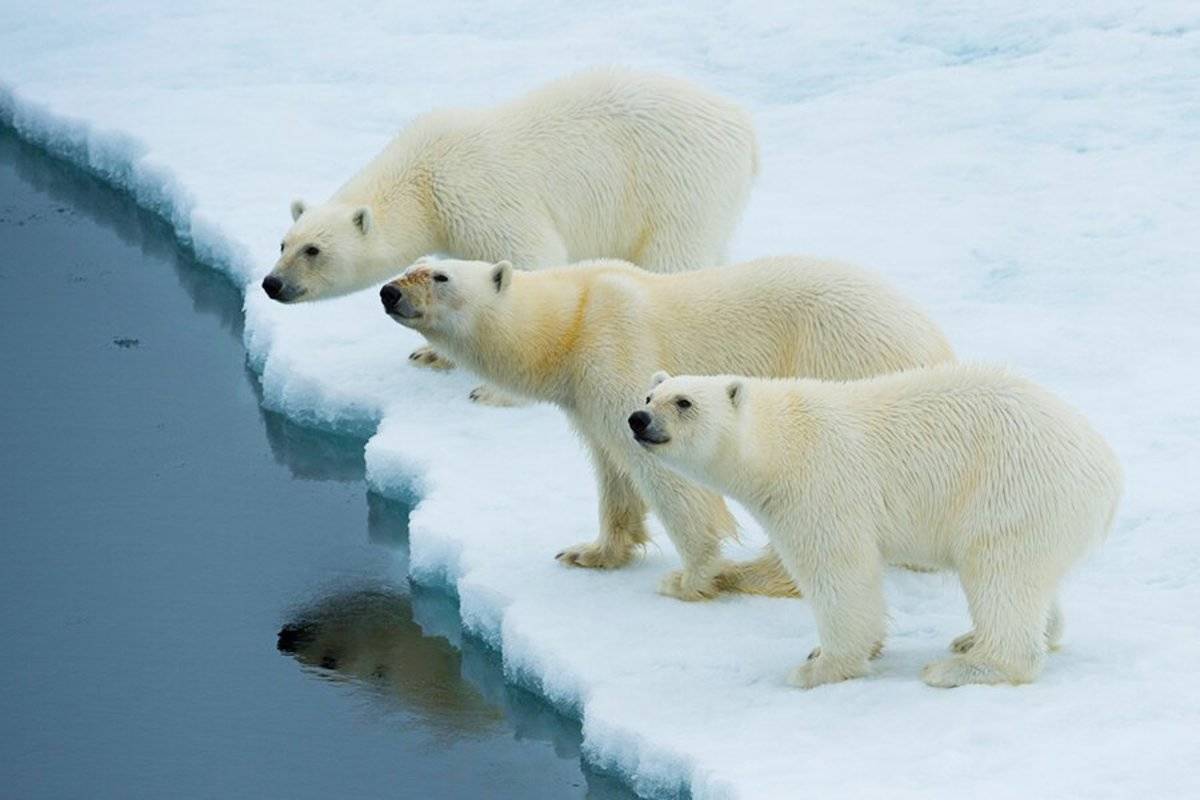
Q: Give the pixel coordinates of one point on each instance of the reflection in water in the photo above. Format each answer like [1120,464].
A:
[370,635]
[410,650]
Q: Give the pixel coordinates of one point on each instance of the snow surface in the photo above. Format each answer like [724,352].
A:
[1029,171]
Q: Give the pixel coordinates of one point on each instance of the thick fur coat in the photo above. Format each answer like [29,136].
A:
[953,467]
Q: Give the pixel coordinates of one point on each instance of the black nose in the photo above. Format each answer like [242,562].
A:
[639,421]
[390,295]
[272,286]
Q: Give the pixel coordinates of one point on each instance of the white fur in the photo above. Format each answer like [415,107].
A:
[951,467]
[588,337]
[605,164]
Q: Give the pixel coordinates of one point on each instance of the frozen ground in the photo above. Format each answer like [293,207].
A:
[1030,172]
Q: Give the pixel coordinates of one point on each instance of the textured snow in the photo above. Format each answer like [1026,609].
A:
[1030,172]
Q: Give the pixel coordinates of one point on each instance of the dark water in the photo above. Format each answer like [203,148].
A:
[158,529]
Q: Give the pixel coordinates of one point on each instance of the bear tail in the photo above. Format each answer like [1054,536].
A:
[764,575]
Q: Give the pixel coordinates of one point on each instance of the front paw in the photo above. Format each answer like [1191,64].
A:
[688,586]
[593,556]
[489,396]
[820,669]
[428,358]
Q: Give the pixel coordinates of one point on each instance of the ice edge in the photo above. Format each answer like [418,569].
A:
[118,159]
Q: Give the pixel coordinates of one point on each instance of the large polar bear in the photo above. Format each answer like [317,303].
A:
[605,164]
[952,467]
[589,337]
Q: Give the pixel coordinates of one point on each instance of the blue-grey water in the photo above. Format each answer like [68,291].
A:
[197,597]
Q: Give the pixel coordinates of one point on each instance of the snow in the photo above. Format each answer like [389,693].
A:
[1028,171]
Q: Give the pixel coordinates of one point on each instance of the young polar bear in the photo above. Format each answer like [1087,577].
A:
[605,164]
[952,467]
[589,337]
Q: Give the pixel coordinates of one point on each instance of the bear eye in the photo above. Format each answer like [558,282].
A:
[683,404]
[311,250]
[439,277]
[282,246]
[647,399]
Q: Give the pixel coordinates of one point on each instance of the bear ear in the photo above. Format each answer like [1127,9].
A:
[362,219]
[734,391]
[502,275]
[659,377]
[297,209]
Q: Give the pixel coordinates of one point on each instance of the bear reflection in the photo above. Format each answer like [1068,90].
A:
[371,637]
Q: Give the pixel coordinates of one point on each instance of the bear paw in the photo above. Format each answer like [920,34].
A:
[962,670]
[428,358]
[688,586]
[819,669]
[490,396]
[593,556]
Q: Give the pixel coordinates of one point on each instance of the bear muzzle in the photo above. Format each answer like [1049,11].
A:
[645,430]
[279,291]
[397,302]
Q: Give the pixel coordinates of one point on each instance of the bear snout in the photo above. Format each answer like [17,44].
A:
[272,286]
[397,302]
[644,429]
[279,291]
[390,295]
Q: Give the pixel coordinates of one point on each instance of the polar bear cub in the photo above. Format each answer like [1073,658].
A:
[604,164]
[589,337]
[954,466]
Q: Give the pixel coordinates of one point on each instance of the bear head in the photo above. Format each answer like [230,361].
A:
[323,254]
[444,299]
[687,420]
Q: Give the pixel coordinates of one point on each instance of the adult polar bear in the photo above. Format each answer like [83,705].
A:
[952,467]
[605,164]
[589,337]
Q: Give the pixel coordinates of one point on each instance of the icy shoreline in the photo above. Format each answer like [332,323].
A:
[1024,175]
[114,159]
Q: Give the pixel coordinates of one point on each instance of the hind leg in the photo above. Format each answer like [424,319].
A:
[1009,641]
[696,521]
[763,575]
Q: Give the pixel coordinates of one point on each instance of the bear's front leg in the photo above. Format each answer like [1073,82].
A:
[846,592]
[622,520]
[696,520]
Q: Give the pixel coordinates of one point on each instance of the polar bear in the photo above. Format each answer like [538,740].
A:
[605,164]
[953,466]
[589,337]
